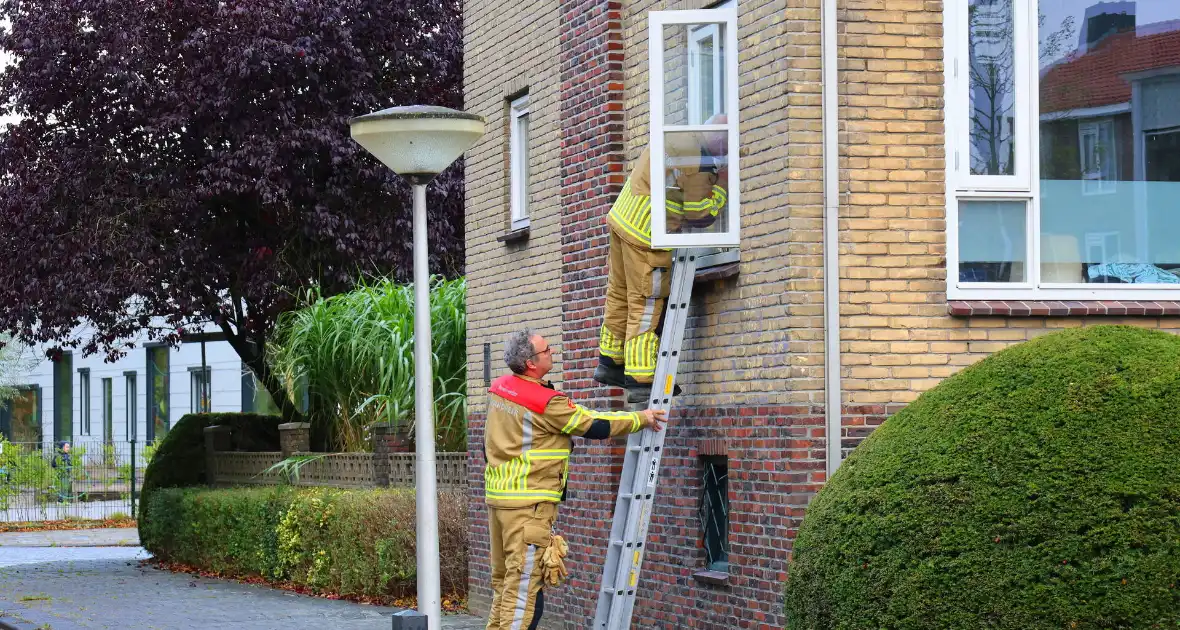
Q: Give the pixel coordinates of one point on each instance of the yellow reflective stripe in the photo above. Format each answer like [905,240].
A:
[609,345]
[573,423]
[635,424]
[633,213]
[529,494]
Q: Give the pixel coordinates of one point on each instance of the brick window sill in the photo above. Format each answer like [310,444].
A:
[519,235]
[716,578]
[1062,308]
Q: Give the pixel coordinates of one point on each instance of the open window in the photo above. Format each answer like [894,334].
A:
[694,128]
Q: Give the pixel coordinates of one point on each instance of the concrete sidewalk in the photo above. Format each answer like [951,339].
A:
[87,586]
[128,537]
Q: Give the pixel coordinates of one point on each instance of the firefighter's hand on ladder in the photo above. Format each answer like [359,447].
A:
[654,419]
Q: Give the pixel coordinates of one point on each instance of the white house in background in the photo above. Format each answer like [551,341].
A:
[140,396]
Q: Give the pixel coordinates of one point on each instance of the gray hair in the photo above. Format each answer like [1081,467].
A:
[518,349]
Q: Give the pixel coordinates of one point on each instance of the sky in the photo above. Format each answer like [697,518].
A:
[1146,12]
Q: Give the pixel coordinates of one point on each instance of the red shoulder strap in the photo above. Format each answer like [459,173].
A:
[532,396]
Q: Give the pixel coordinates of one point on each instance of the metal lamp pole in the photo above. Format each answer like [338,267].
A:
[419,142]
[425,481]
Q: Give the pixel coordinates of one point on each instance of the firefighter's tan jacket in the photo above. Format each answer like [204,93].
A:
[692,195]
[527,440]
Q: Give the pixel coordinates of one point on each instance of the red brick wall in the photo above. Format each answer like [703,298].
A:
[774,469]
[592,174]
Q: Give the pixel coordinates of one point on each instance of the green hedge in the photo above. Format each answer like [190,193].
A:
[1037,489]
[179,460]
[350,542]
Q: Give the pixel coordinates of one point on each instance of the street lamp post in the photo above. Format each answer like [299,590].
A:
[418,142]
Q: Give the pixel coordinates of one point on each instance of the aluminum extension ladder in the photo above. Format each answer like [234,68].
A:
[641,466]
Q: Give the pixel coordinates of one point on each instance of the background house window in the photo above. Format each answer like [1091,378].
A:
[131,400]
[158,392]
[715,512]
[84,399]
[108,409]
[20,418]
[518,150]
[1082,202]
[63,398]
[201,386]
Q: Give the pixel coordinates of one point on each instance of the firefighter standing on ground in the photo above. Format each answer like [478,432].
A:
[639,276]
[527,447]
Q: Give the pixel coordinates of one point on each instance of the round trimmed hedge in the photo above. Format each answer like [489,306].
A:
[179,460]
[1039,488]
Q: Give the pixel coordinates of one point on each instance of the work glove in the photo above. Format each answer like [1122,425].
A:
[554,572]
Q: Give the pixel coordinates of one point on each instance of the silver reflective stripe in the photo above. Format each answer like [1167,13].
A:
[522,594]
[527,441]
[649,308]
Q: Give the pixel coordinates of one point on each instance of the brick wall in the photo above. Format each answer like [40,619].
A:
[591,177]
[517,285]
[753,364]
[898,339]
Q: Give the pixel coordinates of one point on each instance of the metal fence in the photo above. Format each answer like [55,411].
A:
[93,480]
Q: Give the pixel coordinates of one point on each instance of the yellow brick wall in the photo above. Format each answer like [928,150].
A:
[758,339]
[511,286]
[897,339]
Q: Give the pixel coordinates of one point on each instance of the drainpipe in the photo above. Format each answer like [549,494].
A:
[831,235]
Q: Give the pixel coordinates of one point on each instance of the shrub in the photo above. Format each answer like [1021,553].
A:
[1035,489]
[179,458]
[355,351]
[350,542]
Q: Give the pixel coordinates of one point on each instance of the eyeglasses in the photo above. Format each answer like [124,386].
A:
[547,350]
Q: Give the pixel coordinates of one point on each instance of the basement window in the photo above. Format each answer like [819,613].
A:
[714,514]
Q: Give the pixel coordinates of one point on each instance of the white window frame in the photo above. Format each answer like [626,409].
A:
[84,406]
[958,100]
[518,167]
[1024,185]
[131,398]
[657,20]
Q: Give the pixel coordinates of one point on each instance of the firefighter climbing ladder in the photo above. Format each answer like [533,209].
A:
[641,466]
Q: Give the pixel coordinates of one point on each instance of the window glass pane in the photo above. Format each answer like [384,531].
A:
[158,381]
[992,244]
[108,415]
[992,86]
[715,513]
[695,181]
[524,166]
[1110,119]
[63,398]
[694,73]
[22,417]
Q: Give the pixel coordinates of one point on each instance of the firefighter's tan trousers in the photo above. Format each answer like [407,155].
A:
[519,539]
[636,292]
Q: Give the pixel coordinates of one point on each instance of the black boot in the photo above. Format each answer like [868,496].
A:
[609,375]
[641,392]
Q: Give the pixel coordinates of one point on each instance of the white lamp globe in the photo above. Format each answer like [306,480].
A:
[418,141]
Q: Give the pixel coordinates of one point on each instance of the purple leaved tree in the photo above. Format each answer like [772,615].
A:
[188,161]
